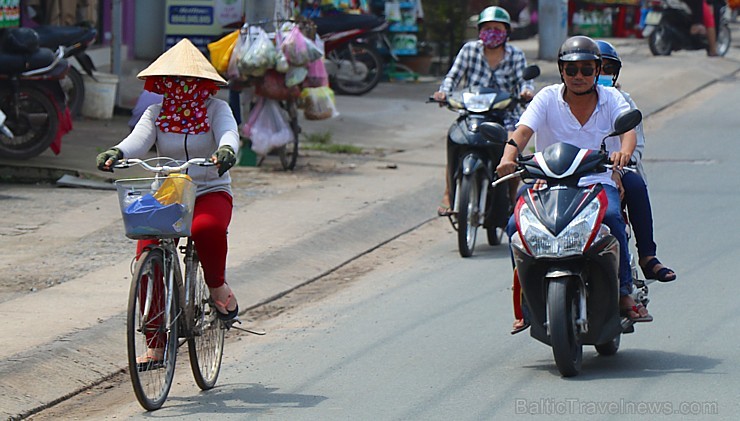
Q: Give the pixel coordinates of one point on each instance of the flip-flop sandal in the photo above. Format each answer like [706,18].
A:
[444,211]
[664,274]
[230,315]
[524,326]
[636,310]
[151,363]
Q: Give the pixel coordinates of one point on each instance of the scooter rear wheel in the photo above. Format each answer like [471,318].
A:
[34,123]
[723,40]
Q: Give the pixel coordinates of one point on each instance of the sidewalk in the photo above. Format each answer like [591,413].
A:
[75,337]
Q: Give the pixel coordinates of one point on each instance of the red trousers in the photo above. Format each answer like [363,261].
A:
[211,219]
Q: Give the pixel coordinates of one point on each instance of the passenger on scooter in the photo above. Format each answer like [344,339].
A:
[580,112]
[490,62]
[633,186]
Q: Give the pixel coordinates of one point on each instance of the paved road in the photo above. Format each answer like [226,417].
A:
[411,331]
[291,236]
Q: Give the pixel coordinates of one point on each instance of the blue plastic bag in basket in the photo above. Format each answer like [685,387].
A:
[146,216]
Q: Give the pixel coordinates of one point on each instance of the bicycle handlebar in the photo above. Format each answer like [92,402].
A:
[162,169]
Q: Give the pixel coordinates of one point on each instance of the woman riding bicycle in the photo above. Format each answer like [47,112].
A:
[190,123]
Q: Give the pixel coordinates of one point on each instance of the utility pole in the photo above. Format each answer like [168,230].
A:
[553,27]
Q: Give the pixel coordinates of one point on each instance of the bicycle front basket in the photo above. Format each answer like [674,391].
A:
[157,208]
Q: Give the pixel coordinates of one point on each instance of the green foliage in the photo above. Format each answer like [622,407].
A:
[322,142]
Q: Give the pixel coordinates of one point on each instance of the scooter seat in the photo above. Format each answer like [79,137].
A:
[13,64]
[338,23]
[52,36]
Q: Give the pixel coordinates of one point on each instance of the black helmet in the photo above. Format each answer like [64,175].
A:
[579,48]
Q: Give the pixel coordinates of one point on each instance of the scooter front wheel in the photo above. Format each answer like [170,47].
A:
[467,217]
[32,118]
[359,68]
[660,42]
[562,311]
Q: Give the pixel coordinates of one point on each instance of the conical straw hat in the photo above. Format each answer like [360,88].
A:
[183,59]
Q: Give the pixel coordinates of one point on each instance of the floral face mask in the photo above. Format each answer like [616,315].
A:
[493,38]
[184,104]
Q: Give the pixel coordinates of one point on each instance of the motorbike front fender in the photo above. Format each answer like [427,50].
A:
[472,163]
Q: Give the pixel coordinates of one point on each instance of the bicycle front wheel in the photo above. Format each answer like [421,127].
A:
[151,330]
[206,342]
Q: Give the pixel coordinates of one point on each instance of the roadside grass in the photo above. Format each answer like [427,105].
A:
[322,142]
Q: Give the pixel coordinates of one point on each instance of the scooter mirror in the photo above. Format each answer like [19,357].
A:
[530,72]
[493,132]
[626,121]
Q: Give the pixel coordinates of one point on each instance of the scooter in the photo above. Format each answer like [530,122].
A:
[566,259]
[75,40]
[668,27]
[474,159]
[31,98]
[353,63]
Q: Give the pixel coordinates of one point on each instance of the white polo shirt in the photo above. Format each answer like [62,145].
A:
[549,116]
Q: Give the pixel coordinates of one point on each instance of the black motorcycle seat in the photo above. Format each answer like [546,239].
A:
[345,22]
[12,64]
[52,36]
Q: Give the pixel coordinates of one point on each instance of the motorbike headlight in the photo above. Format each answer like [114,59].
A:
[571,241]
[478,103]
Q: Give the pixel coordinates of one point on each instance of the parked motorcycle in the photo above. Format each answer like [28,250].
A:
[668,27]
[75,40]
[353,63]
[566,259]
[475,203]
[31,96]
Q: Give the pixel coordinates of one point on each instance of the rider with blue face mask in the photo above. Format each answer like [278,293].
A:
[491,62]
[633,187]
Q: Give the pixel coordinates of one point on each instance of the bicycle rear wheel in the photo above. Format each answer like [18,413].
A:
[206,340]
[152,325]
[289,153]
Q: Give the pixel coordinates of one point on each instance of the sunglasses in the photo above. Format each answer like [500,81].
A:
[610,69]
[572,70]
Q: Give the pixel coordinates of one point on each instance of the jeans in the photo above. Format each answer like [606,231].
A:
[639,212]
[613,219]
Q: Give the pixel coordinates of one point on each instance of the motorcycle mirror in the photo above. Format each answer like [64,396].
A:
[626,121]
[531,72]
[493,132]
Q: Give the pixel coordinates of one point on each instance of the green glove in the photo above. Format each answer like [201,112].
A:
[225,159]
[111,154]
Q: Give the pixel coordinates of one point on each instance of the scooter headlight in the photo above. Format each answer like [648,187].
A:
[478,103]
[571,241]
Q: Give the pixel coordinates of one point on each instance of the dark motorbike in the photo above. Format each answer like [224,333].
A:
[75,40]
[566,259]
[473,161]
[31,97]
[353,63]
[668,27]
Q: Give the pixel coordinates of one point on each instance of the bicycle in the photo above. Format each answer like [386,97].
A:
[167,308]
